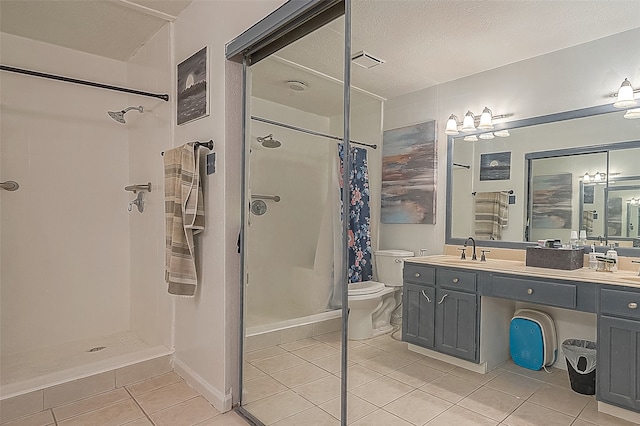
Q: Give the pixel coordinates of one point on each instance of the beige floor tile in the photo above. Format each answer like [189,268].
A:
[311,417]
[142,421]
[560,378]
[264,353]
[386,363]
[250,372]
[529,414]
[458,416]
[320,391]
[153,383]
[188,413]
[580,422]
[90,404]
[332,363]
[300,374]
[335,339]
[491,403]
[417,407]
[363,353]
[43,418]
[437,364]
[230,418]
[165,397]
[560,399]
[542,375]
[381,418]
[298,344]
[591,414]
[476,377]
[277,407]
[382,391]
[261,387]
[358,375]
[113,415]
[278,363]
[450,388]
[356,408]
[416,374]
[515,384]
[385,342]
[317,351]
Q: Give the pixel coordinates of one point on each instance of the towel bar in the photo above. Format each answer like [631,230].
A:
[198,144]
[136,188]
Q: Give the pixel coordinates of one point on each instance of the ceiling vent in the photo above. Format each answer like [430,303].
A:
[365,60]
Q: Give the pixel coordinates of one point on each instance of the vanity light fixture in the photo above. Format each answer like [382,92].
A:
[502,133]
[625,97]
[632,114]
[471,123]
[486,136]
[471,138]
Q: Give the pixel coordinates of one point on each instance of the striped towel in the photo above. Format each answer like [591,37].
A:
[184,215]
[492,214]
[587,221]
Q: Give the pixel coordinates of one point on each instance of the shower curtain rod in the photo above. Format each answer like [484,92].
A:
[311,132]
[162,96]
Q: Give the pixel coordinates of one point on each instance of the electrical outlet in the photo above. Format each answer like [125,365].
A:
[211,163]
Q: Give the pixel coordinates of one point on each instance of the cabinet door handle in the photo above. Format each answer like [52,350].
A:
[633,305]
[456,279]
[530,291]
[425,296]
[417,274]
[442,300]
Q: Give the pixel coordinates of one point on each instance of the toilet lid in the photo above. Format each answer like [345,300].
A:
[364,287]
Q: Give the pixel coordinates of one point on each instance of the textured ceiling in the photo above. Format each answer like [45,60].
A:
[113,29]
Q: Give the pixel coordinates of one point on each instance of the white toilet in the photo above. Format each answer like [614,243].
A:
[371,303]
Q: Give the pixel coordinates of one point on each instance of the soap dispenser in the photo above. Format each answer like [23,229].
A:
[612,254]
[593,258]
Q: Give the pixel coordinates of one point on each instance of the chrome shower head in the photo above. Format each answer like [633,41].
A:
[119,115]
[269,142]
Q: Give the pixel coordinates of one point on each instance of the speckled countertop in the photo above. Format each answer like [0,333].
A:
[627,278]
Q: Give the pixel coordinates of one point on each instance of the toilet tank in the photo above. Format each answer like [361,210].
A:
[389,265]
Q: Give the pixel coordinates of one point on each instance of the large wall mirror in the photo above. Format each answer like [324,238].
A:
[546,176]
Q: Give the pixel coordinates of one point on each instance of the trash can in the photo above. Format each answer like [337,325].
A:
[581,364]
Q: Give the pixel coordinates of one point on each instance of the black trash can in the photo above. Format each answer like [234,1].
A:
[581,364]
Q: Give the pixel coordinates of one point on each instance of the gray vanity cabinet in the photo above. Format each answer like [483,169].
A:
[618,360]
[440,310]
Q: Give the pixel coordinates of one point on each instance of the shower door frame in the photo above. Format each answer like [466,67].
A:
[285,25]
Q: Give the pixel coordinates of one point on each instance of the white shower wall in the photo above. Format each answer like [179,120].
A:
[75,264]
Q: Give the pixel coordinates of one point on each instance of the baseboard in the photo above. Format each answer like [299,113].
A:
[612,410]
[219,400]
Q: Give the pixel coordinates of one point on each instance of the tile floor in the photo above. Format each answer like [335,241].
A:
[298,383]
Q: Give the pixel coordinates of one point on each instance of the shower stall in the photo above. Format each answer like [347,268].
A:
[82,288]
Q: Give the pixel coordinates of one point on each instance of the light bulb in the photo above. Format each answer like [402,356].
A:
[625,96]
[487,135]
[471,138]
[452,125]
[485,120]
[587,177]
[597,177]
[468,123]
[502,133]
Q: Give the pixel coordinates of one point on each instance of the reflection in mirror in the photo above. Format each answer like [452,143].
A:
[622,215]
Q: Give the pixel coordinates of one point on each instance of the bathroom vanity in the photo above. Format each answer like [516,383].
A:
[462,308]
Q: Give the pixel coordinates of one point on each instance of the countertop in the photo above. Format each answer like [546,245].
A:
[626,278]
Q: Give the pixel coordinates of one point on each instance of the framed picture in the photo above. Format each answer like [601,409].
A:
[551,201]
[495,166]
[409,166]
[193,87]
[588,194]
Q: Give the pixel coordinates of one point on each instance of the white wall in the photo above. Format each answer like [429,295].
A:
[65,240]
[149,134]
[568,79]
[207,327]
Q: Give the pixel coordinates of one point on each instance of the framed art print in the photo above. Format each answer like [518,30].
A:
[193,87]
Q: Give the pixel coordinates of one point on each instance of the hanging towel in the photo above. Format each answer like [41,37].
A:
[587,221]
[184,215]
[492,214]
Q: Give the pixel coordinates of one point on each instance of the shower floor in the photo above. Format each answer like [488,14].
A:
[43,367]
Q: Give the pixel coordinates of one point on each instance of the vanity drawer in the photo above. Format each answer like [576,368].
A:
[527,290]
[456,279]
[619,302]
[419,274]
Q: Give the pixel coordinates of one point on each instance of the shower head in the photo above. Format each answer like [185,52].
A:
[119,115]
[269,142]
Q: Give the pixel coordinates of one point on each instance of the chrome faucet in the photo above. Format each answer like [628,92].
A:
[473,257]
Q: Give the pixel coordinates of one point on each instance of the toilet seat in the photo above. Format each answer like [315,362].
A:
[364,287]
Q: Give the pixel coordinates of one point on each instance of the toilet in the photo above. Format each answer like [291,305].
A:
[372,302]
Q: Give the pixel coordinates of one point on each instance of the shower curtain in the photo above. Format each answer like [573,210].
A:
[359,216]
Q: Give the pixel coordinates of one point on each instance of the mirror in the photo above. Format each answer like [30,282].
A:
[507,194]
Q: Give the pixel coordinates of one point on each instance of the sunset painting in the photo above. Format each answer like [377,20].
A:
[409,174]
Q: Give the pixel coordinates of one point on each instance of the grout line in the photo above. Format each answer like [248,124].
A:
[55,421]
[141,409]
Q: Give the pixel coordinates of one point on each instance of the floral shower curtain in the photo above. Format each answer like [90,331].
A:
[360,266]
